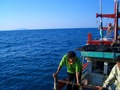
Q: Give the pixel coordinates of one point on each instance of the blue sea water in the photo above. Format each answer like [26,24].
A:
[28,58]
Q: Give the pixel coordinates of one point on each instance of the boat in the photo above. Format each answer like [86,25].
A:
[98,56]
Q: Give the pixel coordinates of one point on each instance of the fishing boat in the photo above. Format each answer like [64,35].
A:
[98,56]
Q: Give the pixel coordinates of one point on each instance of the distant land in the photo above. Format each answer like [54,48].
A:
[21,29]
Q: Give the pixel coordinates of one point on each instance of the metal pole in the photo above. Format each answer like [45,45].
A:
[55,83]
[101,24]
[116,20]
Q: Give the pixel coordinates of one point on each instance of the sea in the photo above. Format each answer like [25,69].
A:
[28,58]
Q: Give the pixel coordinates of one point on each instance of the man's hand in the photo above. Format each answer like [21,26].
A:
[99,87]
[78,84]
[55,74]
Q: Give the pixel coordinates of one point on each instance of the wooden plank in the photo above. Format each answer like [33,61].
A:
[82,86]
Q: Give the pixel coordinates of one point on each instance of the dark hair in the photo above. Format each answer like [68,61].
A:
[118,58]
[71,54]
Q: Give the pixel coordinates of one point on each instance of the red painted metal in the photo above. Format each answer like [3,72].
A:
[105,15]
[115,16]
[89,36]
[98,42]
[85,65]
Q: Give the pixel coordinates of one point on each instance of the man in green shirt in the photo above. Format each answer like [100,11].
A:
[74,67]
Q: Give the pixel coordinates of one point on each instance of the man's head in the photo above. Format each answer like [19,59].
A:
[118,61]
[71,56]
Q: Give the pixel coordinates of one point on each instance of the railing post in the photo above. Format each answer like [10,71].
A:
[105,67]
[80,88]
[55,83]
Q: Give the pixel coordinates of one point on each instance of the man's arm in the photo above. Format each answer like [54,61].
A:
[78,72]
[110,78]
[77,77]
[59,68]
[56,73]
[62,63]
[107,82]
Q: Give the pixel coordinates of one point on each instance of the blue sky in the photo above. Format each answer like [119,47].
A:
[40,14]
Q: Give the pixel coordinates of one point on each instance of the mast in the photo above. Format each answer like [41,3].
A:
[115,16]
[101,24]
[116,20]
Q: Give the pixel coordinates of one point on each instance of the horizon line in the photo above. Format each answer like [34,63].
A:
[43,28]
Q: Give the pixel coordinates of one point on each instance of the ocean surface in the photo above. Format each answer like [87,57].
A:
[28,58]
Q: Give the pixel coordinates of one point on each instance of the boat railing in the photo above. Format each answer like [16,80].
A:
[65,82]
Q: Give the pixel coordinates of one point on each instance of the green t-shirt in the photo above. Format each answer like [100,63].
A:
[75,67]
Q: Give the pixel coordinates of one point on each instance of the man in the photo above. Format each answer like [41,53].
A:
[73,65]
[114,76]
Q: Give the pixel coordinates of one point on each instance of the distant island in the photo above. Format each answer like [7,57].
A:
[22,29]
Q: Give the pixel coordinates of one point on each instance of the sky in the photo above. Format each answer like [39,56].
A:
[45,14]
